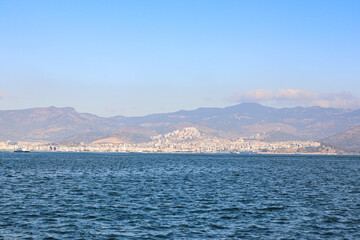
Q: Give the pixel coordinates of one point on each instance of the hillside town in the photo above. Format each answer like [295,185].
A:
[187,140]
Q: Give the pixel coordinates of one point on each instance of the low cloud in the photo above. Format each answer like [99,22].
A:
[298,97]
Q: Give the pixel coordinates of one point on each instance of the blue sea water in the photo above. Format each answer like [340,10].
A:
[178,196]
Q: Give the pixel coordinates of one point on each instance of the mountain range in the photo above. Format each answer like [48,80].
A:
[338,127]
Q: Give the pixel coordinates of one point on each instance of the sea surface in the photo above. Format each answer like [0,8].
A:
[178,196]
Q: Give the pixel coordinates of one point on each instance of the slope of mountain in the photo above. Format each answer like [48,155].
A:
[123,135]
[242,120]
[277,136]
[50,124]
[348,140]
[249,119]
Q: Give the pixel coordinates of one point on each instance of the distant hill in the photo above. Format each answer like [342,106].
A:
[278,136]
[243,120]
[348,140]
[123,135]
[249,119]
[50,124]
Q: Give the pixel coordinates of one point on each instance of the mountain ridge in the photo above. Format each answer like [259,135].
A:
[54,124]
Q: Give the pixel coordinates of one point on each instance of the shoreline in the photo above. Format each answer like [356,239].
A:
[200,153]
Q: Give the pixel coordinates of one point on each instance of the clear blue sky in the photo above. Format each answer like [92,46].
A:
[139,57]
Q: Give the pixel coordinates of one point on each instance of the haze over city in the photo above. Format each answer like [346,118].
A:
[134,58]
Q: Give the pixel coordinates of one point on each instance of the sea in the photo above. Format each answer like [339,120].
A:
[178,196]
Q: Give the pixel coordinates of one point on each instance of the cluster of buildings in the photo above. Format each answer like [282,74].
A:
[187,140]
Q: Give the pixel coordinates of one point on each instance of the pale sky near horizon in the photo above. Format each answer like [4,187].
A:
[134,58]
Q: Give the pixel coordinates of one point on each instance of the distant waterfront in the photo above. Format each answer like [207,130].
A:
[250,147]
[188,140]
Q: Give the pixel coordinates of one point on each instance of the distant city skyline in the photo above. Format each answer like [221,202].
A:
[135,58]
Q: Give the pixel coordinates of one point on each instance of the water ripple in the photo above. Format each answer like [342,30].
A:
[178,196]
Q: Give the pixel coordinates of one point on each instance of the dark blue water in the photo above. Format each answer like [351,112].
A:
[178,196]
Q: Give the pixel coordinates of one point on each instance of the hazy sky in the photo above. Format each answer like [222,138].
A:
[139,57]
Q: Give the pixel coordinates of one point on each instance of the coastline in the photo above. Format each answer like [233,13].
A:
[201,153]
